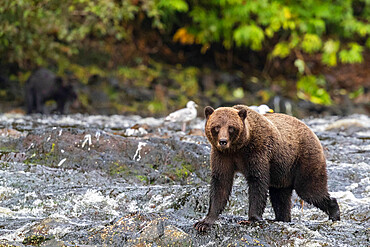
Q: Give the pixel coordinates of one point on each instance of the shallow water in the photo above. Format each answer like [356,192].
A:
[75,206]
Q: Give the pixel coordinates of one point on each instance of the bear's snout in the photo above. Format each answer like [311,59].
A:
[223,142]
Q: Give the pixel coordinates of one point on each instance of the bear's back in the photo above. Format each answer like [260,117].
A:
[41,80]
[293,131]
[285,123]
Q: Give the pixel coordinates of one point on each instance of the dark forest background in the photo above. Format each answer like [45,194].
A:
[150,57]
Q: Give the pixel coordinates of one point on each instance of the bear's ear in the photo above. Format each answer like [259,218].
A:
[242,113]
[208,111]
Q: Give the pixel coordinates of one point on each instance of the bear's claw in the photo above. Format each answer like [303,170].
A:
[244,222]
[201,226]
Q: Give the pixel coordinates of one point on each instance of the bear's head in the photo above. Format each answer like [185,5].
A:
[225,128]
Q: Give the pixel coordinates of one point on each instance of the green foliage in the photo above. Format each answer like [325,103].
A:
[187,80]
[281,50]
[312,88]
[352,55]
[300,66]
[329,56]
[251,23]
[249,35]
[311,43]
[38,33]
[175,5]
[34,32]
[156,106]
[238,93]
[356,93]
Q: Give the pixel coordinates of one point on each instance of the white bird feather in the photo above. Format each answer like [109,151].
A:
[262,109]
[184,115]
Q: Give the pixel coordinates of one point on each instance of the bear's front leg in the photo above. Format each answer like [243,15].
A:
[258,187]
[30,100]
[40,108]
[221,185]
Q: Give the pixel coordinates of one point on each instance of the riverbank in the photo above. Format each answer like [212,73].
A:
[94,180]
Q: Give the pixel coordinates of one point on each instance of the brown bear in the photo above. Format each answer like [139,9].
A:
[275,152]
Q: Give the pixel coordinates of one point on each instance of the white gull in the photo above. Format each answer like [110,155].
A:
[184,115]
[262,109]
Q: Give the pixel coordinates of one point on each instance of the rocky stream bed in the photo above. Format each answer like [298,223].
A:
[80,180]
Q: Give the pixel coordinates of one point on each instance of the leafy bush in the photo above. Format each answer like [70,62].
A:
[336,30]
[312,26]
[34,32]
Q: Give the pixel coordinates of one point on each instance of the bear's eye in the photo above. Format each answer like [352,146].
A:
[216,129]
[231,129]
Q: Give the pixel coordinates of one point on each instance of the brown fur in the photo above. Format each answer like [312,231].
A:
[275,152]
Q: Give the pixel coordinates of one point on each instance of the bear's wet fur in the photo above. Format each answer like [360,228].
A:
[276,153]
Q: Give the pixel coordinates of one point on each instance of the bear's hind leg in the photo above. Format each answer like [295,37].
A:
[281,203]
[311,182]
[330,206]
[319,196]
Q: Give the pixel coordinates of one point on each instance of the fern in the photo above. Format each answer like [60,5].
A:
[352,55]
[249,35]
[281,50]
[311,43]
[176,5]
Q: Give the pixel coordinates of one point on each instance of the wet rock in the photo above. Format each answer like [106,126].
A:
[150,160]
[156,232]
[127,230]
[119,232]
[12,156]
[348,123]
[47,229]
[174,236]
[350,126]
[153,231]
[5,243]
[141,229]
[52,243]
[34,240]
[11,133]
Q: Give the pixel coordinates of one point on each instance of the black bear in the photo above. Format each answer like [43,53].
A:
[44,85]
